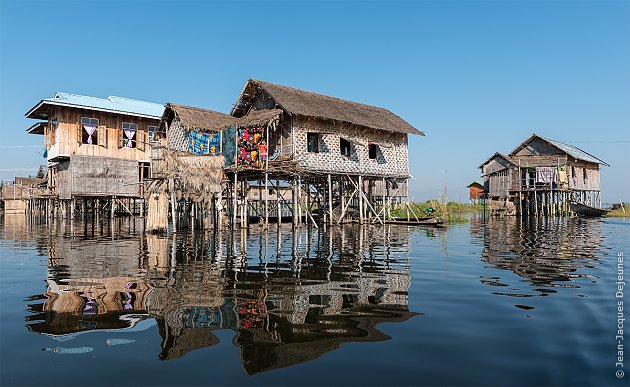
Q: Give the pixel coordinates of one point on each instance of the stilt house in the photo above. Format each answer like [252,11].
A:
[542,176]
[348,157]
[97,147]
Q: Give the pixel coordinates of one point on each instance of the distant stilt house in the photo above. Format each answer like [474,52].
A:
[98,149]
[349,159]
[15,196]
[476,192]
[541,177]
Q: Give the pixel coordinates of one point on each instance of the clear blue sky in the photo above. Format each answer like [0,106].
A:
[477,77]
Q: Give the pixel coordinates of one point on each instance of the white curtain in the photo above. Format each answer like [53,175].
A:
[89,129]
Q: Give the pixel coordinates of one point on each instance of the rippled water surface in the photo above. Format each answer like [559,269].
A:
[489,302]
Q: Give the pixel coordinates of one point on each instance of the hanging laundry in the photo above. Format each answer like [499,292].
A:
[198,142]
[89,129]
[545,174]
[214,143]
[249,142]
[563,177]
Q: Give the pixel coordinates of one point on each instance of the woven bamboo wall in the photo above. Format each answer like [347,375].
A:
[391,158]
[97,176]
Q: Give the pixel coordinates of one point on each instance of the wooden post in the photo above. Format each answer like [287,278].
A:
[330,202]
[278,206]
[361,205]
[171,188]
[235,199]
[299,199]
[266,199]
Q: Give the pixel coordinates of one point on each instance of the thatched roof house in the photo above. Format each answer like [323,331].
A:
[331,135]
[308,104]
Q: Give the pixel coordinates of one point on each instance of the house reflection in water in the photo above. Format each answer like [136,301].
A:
[289,296]
[547,253]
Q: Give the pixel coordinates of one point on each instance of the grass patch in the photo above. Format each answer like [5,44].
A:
[452,212]
[619,213]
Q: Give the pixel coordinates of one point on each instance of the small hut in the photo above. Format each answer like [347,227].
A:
[476,192]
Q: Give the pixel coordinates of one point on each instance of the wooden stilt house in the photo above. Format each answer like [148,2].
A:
[542,177]
[349,158]
[98,148]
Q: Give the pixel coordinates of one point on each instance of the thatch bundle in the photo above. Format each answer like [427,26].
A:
[196,177]
[157,214]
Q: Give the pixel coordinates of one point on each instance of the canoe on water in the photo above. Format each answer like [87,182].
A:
[433,221]
[583,209]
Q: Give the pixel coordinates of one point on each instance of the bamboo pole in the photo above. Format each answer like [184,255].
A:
[330,203]
[361,216]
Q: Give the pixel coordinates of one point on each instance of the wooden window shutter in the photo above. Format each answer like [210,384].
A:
[102,136]
[46,138]
[140,140]
[120,138]
[80,133]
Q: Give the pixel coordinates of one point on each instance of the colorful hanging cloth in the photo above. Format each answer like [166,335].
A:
[89,129]
[214,143]
[198,143]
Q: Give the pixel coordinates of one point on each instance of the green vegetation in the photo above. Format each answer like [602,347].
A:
[452,212]
[620,213]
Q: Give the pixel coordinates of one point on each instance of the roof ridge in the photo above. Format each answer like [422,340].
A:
[133,100]
[321,95]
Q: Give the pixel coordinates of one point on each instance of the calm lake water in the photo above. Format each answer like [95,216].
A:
[489,302]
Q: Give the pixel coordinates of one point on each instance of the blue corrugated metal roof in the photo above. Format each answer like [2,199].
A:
[112,103]
[575,151]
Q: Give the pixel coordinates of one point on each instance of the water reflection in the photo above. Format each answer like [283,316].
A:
[289,296]
[546,254]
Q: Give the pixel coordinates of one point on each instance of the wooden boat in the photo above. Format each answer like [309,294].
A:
[432,221]
[585,210]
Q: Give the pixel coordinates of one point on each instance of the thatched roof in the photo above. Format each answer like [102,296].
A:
[212,121]
[308,104]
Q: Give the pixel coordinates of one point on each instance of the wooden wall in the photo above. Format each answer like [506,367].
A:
[65,139]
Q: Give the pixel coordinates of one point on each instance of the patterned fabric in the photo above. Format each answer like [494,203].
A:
[204,143]
[249,141]
[214,143]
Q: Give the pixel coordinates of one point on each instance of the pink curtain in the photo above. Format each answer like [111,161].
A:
[89,129]
[129,134]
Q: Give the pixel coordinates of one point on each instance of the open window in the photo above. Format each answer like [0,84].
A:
[584,175]
[151,133]
[344,147]
[372,149]
[127,138]
[312,142]
[88,131]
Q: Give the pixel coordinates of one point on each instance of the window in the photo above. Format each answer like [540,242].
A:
[129,134]
[372,150]
[312,142]
[152,130]
[144,171]
[584,174]
[89,128]
[344,147]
